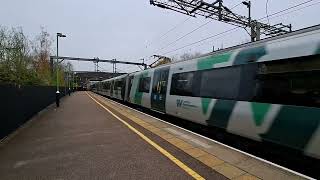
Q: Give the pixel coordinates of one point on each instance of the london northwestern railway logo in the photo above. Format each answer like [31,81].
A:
[184,104]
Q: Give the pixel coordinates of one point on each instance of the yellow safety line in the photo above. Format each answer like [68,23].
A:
[159,148]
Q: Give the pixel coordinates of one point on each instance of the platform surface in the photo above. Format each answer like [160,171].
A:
[82,140]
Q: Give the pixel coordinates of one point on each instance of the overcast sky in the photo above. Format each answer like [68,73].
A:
[131,29]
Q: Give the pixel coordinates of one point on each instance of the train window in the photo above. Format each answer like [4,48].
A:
[115,85]
[160,81]
[130,85]
[294,82]
[105,85]
[118,85]
[108,85]
[291,82]
[144,84]
[182,84]
[111,86]
[248,81]
[221,83]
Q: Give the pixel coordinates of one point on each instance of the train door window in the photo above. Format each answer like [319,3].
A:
[120,84]
[163,82]
[155,85]
[160,81]
[130,84]
[105,86]
[220,83]
[182,84]
[115,87]
[108,85]
[111,86]
[144,84]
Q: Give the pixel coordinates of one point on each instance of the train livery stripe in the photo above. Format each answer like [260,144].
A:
[221,113]
[205,102]
[209,62]
[250,55]
[294,126]
[259,111]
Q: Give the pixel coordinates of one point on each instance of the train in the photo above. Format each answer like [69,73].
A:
[267,91]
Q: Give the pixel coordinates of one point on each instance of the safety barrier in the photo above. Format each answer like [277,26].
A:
[19,104]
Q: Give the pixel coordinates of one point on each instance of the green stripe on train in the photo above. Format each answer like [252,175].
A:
[205,102]
[294,126]
[209,62]
[259,112]
[221,113]
[250,55]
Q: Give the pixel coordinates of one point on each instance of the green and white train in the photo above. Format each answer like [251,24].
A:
[266,91]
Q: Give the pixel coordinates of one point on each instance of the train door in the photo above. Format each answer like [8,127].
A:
[130,79]
[111,88]
[159,89]
[123,88]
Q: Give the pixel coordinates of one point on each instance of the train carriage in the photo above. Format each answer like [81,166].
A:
[266,91]
[114,87]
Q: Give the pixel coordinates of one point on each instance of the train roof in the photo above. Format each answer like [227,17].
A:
[266,40]
[114,78]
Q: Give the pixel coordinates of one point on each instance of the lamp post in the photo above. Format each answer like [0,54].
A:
[57,69]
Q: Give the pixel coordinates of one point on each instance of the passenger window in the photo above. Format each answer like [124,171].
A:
[293,82]
[144,84]
[220,83]
[108,85]
[119,85]
[115,85]
[104,85]
[182,84]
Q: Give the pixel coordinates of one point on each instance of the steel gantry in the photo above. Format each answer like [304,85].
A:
[97,60]
[218,11]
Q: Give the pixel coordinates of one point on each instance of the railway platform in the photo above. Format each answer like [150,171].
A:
[92,137]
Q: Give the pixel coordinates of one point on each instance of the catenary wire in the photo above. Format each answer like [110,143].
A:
[192,31]
[276,13]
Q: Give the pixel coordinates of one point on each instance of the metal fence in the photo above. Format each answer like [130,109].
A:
[19,104]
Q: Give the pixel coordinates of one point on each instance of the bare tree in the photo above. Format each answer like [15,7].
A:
[25,62]
[41,54]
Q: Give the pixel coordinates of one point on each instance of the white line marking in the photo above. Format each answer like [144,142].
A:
[205,145]
[217,142]
[185,136]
